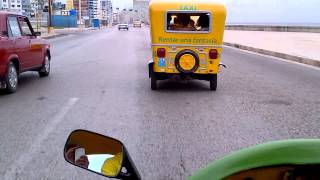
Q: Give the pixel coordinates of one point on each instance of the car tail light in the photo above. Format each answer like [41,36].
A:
[213,54]
[161,52]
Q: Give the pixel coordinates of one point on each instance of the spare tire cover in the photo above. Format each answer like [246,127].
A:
[187,61]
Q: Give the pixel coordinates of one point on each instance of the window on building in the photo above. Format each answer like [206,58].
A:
[18,5]
[14,29]
[4,1]
[13,6]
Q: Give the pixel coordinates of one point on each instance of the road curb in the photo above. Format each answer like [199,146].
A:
[54,36]
[289,57]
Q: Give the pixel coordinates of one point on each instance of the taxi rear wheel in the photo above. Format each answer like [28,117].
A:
[154,85]
[213,83]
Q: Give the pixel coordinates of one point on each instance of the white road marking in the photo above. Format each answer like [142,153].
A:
[276,58]
[25,157]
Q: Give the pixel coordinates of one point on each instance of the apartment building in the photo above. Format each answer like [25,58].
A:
[11,5]
[4,4]
[141,10]
[84,8]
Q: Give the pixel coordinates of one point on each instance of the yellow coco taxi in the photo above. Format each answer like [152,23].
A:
[186,40]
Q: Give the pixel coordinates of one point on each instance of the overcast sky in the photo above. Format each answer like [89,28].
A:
[264,11]
[122,3]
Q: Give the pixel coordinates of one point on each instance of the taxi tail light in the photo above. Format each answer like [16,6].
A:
[161,53]
[213,54]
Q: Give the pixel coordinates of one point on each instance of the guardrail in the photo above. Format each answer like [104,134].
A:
[310,29]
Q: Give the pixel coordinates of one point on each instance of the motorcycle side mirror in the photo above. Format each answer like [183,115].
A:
[100,154]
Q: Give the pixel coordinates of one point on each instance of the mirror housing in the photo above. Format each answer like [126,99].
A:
[100,154]
[37,33]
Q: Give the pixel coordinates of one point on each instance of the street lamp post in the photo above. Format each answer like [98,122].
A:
[136,15]
[118,15]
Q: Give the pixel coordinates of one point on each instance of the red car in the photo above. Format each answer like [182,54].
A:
[20,50]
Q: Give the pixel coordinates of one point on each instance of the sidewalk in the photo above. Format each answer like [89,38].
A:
[63,32]
[299,47]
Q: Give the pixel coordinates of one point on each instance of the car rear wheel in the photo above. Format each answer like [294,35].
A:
[11,78]
[45,69]
[154,85]
[213,83]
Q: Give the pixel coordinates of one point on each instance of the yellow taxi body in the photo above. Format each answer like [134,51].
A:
[185,46]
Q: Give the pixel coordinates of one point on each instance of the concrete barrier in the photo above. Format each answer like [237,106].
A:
[310,29]
[52,36]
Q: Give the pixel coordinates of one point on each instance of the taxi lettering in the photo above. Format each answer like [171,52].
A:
[188,7]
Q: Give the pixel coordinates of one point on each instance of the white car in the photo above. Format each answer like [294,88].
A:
[137,24]
[123,26]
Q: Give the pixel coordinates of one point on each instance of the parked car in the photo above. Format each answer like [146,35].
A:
[20,50]
[123,26]
[137,24]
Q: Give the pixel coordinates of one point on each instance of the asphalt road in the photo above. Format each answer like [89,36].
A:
[99,82]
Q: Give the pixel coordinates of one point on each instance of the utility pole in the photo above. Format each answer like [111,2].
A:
[50,28]
[37,18]
[80,12]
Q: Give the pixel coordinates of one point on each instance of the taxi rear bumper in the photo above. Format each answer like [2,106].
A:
[164,76]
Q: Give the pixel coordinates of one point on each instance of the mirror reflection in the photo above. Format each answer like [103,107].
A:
[94,152]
